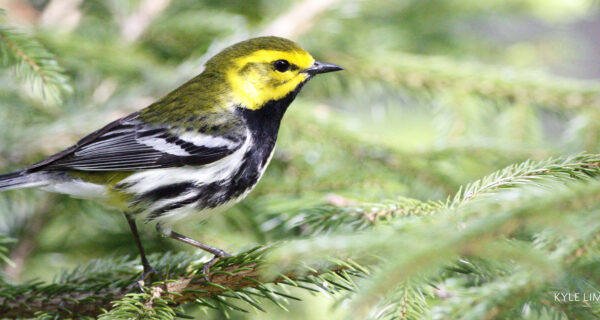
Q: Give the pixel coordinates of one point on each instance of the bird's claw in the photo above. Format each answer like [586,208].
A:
[211,262]
[148,273]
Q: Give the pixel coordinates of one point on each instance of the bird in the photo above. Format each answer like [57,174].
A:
[193,153]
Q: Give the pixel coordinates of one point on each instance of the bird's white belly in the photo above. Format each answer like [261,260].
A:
[78,188]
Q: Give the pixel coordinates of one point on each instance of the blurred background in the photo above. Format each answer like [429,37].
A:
[435,94]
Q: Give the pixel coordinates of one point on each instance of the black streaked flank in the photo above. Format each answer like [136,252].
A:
[167,191]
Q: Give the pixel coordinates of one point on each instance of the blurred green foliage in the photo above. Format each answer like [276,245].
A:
[436,94]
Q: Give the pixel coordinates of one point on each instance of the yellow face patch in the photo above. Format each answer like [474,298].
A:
[254,80]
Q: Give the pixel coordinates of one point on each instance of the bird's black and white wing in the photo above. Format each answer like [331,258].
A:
[129,144]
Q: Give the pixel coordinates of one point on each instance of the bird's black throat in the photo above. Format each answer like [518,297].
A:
[264,122]
[263,125]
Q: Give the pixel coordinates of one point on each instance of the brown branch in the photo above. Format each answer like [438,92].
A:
[65,304]
[177,291]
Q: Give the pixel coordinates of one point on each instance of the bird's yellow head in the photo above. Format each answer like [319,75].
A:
[265,69]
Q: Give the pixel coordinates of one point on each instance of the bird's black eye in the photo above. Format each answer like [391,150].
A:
[281,65]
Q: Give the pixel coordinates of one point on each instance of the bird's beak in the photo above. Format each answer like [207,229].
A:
[321,67]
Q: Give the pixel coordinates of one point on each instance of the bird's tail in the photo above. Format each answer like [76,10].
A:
[21,179]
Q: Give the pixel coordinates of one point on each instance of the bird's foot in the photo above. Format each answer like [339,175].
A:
[206,268]
[148,274]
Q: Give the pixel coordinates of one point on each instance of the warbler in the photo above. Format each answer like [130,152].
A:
[196,151]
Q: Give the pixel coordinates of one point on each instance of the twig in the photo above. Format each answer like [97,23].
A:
[35,67]
[72,301]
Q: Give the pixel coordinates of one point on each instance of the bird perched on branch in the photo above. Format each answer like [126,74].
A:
[194,152]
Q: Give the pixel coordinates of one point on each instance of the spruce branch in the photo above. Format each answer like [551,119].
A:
[112,285]
[408,301]
[480,302]
[565,169]
[34,64]
[331,218]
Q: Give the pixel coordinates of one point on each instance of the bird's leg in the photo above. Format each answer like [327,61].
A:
[218,253]
[148,270]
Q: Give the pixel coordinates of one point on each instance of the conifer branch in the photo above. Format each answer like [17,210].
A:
[34,64]
[565,169]
[113,285]
[356,217]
